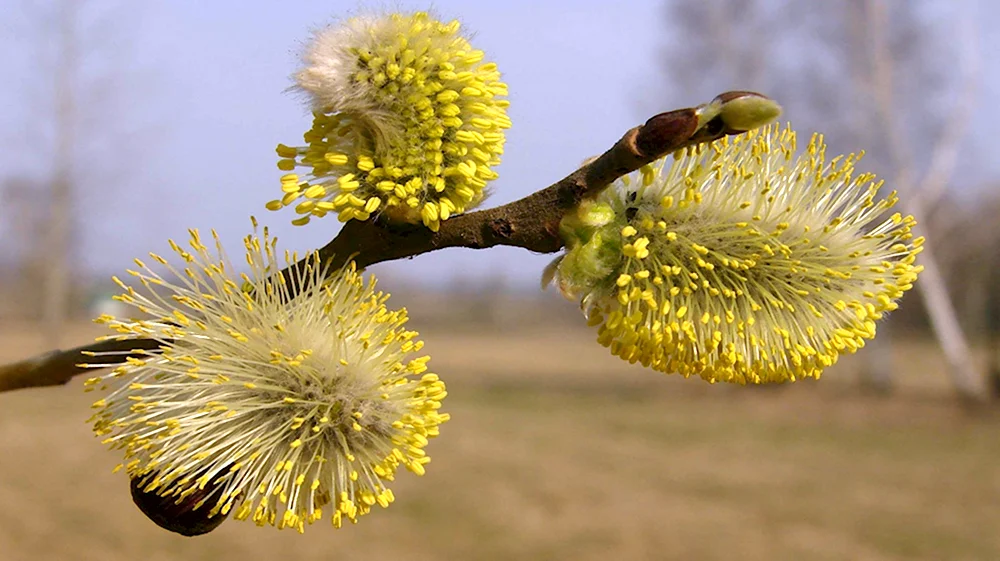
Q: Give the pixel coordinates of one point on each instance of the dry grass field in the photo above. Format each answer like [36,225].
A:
[558,451]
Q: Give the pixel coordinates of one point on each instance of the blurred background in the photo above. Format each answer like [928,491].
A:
[122,124]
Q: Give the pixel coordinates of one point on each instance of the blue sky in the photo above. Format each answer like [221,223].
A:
[204,104]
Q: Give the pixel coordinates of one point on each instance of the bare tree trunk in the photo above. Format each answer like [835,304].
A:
[932,285]
[56,285]
[944,321]
[877,368]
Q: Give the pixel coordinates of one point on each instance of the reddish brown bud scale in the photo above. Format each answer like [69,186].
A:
[730,96]
[666,132]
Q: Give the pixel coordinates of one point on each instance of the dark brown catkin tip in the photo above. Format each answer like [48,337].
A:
[181,518]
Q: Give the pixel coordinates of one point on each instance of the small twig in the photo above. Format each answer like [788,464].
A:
[57,368]
[531,223]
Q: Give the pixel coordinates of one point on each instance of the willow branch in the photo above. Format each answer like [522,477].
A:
[58,367]
[531,223]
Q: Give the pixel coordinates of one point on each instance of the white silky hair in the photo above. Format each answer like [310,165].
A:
[330,63]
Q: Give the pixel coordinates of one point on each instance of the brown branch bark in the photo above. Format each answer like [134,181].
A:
[57,368]
[531,223]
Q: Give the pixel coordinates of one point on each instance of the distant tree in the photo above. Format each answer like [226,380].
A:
[22,217]
[869,74]
[70,99]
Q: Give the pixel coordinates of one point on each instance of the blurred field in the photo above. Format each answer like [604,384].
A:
[558,451]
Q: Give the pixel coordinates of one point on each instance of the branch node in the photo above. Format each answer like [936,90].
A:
[502,228]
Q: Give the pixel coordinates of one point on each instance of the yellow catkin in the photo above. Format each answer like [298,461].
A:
[291,397]
[409,120]
[769,267]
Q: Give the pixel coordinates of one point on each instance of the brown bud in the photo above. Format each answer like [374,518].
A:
[666,132]
[185,517]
